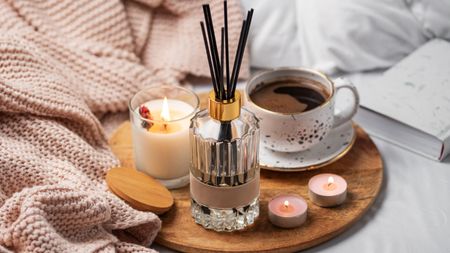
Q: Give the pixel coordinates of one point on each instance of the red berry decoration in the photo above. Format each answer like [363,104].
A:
[145,113]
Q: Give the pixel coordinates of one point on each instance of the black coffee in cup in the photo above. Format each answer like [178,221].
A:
[293,95]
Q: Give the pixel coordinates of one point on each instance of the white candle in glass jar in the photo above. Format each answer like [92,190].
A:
[162,150]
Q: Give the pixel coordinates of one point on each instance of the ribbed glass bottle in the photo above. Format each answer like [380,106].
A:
[224,171]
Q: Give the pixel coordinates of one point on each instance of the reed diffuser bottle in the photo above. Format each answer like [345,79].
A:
[224,179]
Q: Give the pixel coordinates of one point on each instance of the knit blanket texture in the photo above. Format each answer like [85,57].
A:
[63,65]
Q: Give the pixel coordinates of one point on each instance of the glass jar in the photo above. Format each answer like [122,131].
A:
[224,179]
[160,119]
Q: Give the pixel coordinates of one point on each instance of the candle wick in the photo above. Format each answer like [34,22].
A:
[330,186]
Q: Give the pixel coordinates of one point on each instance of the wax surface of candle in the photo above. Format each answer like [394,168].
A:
[286,207]
[295,205]
[331,185]
[159,127]
[320,184]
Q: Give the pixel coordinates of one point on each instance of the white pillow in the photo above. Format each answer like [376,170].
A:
[273,36]
[434,15]
[344,35]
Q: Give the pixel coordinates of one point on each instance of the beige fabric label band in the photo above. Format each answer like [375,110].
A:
[224,197]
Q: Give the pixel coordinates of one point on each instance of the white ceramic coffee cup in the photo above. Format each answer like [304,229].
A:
[294,132]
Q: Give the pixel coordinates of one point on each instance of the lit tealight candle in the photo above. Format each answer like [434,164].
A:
[287,211]
[327,190]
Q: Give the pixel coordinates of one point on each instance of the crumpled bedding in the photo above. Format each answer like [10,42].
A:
[347,35]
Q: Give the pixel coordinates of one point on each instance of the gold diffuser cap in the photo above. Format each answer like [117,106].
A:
[224,110]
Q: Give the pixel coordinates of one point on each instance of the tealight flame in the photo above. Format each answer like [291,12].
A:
[330,181]
[286,204]
[165,113]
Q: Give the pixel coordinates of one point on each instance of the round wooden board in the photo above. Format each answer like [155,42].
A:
[362,167]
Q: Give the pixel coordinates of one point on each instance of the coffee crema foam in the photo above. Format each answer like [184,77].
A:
[293,95]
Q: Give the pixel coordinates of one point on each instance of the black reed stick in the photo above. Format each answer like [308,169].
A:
[227,57]
[213,44]
[225,131]
[211,70]
[242,49]
[236,57]
[222,63]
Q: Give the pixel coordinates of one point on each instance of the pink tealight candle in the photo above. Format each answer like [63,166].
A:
[287,211]
[327,190]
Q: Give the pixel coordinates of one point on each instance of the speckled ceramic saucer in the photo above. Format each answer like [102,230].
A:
[334,146]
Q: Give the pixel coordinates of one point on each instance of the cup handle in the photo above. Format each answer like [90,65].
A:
[349,111]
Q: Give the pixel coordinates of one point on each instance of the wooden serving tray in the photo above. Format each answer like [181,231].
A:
[362,167]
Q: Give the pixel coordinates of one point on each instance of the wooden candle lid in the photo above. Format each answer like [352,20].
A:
[139,190]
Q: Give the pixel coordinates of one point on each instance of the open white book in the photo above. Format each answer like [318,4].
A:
[409,105]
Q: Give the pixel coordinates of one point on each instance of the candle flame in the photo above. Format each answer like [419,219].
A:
[286,203]
[165,113]
[330,181]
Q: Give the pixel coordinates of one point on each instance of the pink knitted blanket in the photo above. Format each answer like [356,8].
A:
[63,63]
